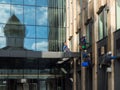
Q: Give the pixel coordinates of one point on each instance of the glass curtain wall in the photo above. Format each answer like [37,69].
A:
[39,25]
[57,14]
[118,13]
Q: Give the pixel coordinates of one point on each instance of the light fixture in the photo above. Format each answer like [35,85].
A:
[65,59]
[23,80]
[63,70]
[71,79]
[60,62]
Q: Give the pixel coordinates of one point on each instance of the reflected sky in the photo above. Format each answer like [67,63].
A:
[34,15]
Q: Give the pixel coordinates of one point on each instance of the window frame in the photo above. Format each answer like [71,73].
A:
[102,13]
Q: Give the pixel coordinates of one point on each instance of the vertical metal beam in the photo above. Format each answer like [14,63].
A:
[74,74]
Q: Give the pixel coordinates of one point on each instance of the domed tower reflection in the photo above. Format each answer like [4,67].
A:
[14,31]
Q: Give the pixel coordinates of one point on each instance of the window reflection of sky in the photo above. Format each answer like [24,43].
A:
[30,16]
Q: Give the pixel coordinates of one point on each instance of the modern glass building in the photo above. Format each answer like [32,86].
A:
[28,28]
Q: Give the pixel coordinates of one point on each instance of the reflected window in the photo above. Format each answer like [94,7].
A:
[41,45]
[4,13]
[30,31]
[42,16]
[118,13]
[53,3]
[18,11]
[29,2]
[60,3]
[17,1]
[29,44]
[60,17]
[41,32]
[42,3]
[29,15]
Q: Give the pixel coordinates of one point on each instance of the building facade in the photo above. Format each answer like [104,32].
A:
[98,22]
[32,33]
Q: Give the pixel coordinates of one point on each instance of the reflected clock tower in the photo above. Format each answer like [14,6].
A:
[14,31]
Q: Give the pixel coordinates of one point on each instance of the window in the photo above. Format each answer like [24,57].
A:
[102,24]
[118,13]
[89,34]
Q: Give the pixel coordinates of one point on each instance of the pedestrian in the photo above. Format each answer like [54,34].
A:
[65,47]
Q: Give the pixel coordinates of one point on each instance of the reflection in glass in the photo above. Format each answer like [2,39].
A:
[30,31]
[18,11]
[41,45]
[4,13]
[2,42]
[57,17]
[1,29]
[53,3]
[29,15]
[41,32]
[17,1]
[42,3]
[26,22]
[4,1]
[42,16]
[60,5]
[29,44]
[56,3]
[29,2]
[56,38]
[14,33]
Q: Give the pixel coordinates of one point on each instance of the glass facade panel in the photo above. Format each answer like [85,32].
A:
[29,2]
[4,13]
[118,13]
[43,3]
[17,1]
[41,45]
[18,11]
[5,1]
[2,29]
[42,16]
[29,44]
[42,32]
[29,15]
[2,42]
[30,32]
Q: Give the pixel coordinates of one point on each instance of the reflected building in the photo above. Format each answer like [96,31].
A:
[57,33]
[14,32]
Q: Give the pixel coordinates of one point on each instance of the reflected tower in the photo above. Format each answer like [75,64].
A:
[14,31]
